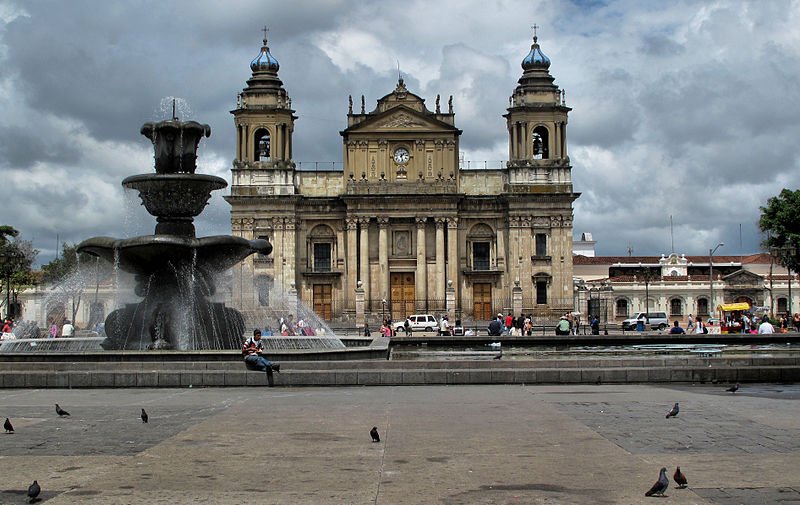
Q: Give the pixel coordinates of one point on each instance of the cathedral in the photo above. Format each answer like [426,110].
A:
[404,228]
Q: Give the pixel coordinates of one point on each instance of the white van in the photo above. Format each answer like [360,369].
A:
[655,320]
[418,322]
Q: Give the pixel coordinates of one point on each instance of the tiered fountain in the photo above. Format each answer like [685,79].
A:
[174,269]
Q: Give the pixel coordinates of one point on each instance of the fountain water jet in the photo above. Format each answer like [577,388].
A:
[174,270]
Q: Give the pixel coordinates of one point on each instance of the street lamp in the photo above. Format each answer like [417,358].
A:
[383,309]
[711,276]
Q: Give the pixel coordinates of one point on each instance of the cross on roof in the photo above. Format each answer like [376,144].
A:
[535,27]
[265,30]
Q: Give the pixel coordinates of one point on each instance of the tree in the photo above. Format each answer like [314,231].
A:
[16,258]
[780,219]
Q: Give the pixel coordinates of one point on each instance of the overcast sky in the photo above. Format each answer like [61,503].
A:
[682,109]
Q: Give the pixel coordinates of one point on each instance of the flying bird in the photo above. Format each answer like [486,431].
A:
[144,416]
[33,491]
[8,426]
[733,388]
[679,478]
[674,411]
[61,412]
[374,434]
[660,486]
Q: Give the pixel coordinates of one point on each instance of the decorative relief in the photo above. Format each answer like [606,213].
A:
[541,221]
[402,121]
[420,144]
[402,243]
[430,166]
[372,170]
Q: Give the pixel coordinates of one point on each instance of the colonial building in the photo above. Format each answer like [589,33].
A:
[404,227]
[616,287]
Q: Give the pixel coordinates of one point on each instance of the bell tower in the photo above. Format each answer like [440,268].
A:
[264,119]
[537,114]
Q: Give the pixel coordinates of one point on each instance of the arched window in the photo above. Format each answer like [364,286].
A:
[321,242]
[480,239]
[702,307]
[262,145]
[541,143]
[676,307]
[622,307]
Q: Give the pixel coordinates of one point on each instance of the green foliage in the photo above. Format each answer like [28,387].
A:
[780,219]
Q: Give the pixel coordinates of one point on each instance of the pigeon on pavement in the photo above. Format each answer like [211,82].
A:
[144,416]
[374,434]
[660,486]
[674,411]
[733,388]
[8,426]
[33,491]
[61,412]
[679,478]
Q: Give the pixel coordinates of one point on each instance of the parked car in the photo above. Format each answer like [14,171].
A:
[418,322]
[655,320]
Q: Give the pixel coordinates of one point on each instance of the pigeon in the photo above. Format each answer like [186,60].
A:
[680,479]
[8,426]
[61,412]
[660,486]
[144,416]
[33,491]
[733,388]
[674,411]
[374,434]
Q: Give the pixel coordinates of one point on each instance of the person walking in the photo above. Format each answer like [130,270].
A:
[690,324]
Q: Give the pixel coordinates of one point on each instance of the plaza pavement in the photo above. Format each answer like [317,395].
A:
[505,444]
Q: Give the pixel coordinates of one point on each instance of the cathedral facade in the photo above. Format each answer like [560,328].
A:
[403,228]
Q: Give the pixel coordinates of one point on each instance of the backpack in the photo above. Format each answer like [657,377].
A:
[705,330]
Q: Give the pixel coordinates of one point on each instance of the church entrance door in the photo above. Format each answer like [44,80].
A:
[402,295]
[482,301]
[323,301]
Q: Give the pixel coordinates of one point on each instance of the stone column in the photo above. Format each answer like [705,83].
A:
[452,253]
[359,299]
[439,272]
[450,302]
[363,224]
[501,247]
[351,261]
[278,260]
[289,250]
[421,278]
[526,251]
[383,257]
[516,299]
[513,248]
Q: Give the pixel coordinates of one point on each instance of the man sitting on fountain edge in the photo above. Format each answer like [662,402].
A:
[253,352]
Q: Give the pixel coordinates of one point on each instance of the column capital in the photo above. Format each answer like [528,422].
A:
[363,220]
[351,223]
[421,220]
[440,222]
[452,223]
[383,222]
[290,223]
[277,223]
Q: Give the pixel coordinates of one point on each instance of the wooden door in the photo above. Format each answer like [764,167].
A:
[482,301]
[403,292]
[323,301]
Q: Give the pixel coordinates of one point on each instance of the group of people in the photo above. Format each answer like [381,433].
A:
[511,326]
[570,324]
[748,324]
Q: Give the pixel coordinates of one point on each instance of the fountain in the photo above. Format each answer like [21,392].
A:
[174,270]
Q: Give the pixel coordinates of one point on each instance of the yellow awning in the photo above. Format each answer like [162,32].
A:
[734,306]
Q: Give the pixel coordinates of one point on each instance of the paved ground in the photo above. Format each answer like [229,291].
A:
[446,444]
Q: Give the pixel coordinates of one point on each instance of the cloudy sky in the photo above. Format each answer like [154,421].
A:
[682,110]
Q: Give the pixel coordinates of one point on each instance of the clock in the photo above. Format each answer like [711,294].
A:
[401,156]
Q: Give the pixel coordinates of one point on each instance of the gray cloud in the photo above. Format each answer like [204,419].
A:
[685,108]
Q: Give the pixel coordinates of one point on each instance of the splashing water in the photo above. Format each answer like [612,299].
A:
[165,108]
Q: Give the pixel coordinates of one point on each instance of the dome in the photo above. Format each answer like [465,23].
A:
[535,58]
[264,61]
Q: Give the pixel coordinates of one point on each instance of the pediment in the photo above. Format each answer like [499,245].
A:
[743,277]
[401,118]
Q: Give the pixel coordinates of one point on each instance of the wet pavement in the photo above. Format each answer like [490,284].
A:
[581,444]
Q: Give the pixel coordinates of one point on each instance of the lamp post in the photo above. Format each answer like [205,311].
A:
[383,309]
[711,277]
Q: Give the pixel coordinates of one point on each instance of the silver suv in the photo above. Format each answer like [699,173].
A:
[655,320]
[418,322]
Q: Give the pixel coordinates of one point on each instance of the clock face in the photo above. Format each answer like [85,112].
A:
[401,156]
